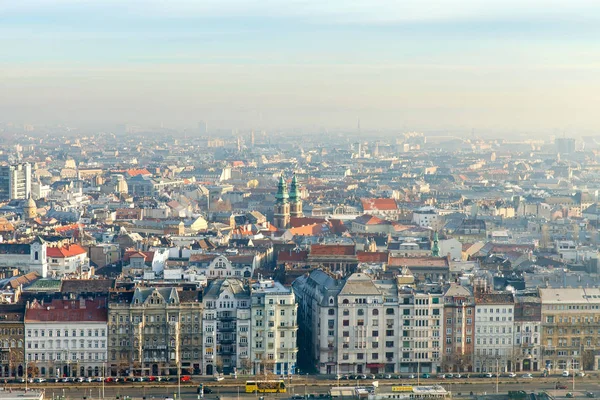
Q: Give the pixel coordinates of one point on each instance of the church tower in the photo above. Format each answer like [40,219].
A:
[435,250]
[295,201]
[281,211]
[29,209]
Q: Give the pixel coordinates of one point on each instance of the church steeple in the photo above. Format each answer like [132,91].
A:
[435,250]
[282,195]
[295,201]
[281,209]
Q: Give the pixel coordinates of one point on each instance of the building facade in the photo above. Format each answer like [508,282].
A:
[155,331]
[527,330]
[459,329]
[66,338]
[570,328]
[226,327]
[15,181]
[12,340]
[494,323]
[274,325]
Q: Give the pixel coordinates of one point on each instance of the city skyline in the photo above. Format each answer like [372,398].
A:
[451,65]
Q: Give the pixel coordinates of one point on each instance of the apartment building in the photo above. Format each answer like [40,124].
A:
[155,331]
[570,328]
[226,327]
[527,355]
[274,325]
[494,324]
[459,329]
[66,337]
[15,181]
[361,324]
[12,346]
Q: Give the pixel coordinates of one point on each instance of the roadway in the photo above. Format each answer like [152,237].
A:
[229,389]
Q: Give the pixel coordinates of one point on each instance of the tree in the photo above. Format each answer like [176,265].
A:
[32,369]
[14,359]
[246,366]
[219,365]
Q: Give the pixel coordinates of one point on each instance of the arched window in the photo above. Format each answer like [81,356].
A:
[345,301]
[361,311]
[375,311]
[389,311]
[36,256]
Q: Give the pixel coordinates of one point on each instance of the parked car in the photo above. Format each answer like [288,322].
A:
[426,376]
[80,379]
[527,376]
[39,380]
[458,376]
[488,375]
[99,379]
[186,378]
[560,386]
[412,376]
[565,374]
[361,376]
[590,394]
[581,374]
[442,376]
[449,376]
[512,375]
[570,395]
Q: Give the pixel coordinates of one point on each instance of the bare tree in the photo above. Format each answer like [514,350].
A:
[32,369]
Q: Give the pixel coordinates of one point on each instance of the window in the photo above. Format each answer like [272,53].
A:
[389,332]
[375,311]
[375,333]
[346,322]
[331,311]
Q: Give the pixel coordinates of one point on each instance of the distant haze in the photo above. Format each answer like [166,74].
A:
[418,64]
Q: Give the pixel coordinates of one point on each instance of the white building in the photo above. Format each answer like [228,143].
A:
[494,323]
[226,327]
[15,181]
[363,325]
[274,328]
[67,337]
[426,217]
[29,257]
[71,259]
[220,266]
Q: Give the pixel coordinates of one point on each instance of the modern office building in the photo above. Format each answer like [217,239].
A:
[15,181]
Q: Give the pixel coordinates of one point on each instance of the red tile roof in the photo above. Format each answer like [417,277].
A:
[65,251]
[136,172]
[68,311]
[148,254]
[418,261]
[301,221]
[332,250]
[379,204]
[292,256]
[68,228]
[367,256]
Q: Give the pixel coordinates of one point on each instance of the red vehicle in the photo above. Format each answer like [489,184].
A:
[186,378]
[561,386]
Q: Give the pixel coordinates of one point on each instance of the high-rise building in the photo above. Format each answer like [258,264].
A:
[274,328]
[15,181]
[565,145]
[281,211]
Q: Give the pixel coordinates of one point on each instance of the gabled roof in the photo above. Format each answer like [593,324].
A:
[381,204]
[67,251]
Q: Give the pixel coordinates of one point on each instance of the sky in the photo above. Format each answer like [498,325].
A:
[446,65]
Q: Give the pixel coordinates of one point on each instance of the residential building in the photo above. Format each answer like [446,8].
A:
[15,181]
[66,337]
[570,328]
[459,329]
[360,324]
[155,331]
[67,260]
[494,323]
[12,346]
[27,257]
[527,333]
[274,328]
[226,327]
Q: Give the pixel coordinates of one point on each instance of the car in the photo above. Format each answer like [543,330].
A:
[361,376]
[54,380]
[458,376]
[387,376]
[297,397]
[442,376]
[527,376]
[89,379]
[99,379]
[581,374]
[426,376]
[39,380]
[66,380]
[488,375]
[565,374]
[512,375]
[338,376]
[590,394]
[186,378]
[411,376]
[560,386]
[449,376]
[569,395]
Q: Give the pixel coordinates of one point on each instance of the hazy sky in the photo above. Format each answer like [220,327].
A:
[513,65]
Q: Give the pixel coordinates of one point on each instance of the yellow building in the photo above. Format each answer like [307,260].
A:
[570,329]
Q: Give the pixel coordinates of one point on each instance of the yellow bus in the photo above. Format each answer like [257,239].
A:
[265,386]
